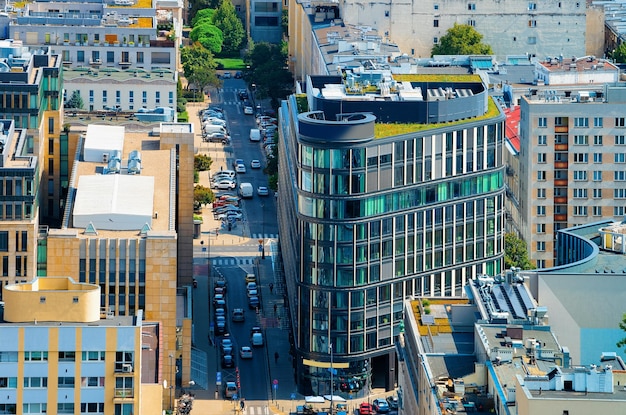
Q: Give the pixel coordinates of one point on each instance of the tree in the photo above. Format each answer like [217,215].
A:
[202,196]
[198,5]
[227,20]
[208,35]
[201,15]
[75,101]
[268,71]
[199,66]
[202,162]
[622,325]
[516,253]
[619,54]
[461,39]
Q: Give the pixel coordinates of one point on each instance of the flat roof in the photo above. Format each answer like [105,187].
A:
[110,321]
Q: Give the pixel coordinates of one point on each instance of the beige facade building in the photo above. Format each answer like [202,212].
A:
[126,219]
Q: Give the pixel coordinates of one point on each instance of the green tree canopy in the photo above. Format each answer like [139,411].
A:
[619,54]
[198,5]
[208,35]
[516,253]
[201,15]
[227,20]
[202,196]
[199,66]
[622,325]
[202,162]
[268,71]
[75,101]
[461,39]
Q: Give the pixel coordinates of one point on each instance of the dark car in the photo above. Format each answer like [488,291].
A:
[380,406]
[220,282]
[220,325]
[393,402]
[238,75]
[228,361]
[253,302]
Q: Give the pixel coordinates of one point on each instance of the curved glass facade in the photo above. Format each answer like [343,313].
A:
[380,221]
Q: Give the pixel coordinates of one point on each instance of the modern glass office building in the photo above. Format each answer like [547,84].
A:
[389,187]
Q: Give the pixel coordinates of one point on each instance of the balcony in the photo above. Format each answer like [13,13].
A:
[560,218]
[560,182]
[560,200]
[560,164]
[560,147]
[561,129]
[124,393]
[95,62]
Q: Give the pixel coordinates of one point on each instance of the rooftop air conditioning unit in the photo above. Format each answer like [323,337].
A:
[127,368]
[105,157]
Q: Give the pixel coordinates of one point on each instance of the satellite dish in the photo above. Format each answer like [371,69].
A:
[164,383]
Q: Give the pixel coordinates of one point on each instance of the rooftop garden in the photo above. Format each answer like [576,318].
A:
[382,130]
[430,321]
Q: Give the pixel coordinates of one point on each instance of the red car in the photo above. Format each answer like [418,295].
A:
[365,409]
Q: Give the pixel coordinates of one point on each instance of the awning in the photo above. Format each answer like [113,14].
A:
[314,399]
[336,398]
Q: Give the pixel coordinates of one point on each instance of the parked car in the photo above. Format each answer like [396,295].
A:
[228,361]
[243,94]
[237,161]
[220,282]
[238,75]
[220,312]
[226,343]
[248,110]
[262,191]
[255,164]
[251,286]
[216,138]
[392,401]
[226,75]
[245,352]
[253,302]
[224,185]
[250,278]
[253,293]
[220,325]
[365,409]
[230,215]
[380,406]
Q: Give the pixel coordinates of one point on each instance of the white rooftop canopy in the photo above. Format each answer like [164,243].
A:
[102,139]
[114,202]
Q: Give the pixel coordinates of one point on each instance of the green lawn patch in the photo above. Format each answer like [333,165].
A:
[231,63]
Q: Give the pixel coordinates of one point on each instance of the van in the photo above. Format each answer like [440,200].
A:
[209,128]
[224,174]
[255,134]
[230,390]
[256,340]
[246,190]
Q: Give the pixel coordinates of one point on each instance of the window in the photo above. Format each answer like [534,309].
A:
[619,193]
[436,6]
[266,21]
[65,408]
[580,193]
[580,175]
[532,23]
[144,97]
[618,210]
[91,95]
[139,57]
[34,408]
[619,176]
[170,98]
[51,167]
[532,40]
[471,22]
[104,96]
[620,122]
[542,121]
[7,382]
[596,210]
[80,56]
[541,228]
[435,40]
[541,246]
[581,140]
[157,97]
[118,97]
[67,356]
[435,23]
[532,6]
[122,359]
[620,157]
[541,175]
[597,157]
[92,382]
[8,357]
[131,96]
[92,356]
[66,382]
[580,210]
[36,356]
[541,157]
[542,140]
[92,408]
[4,241]
[620,140]
[123,409]
[541,193]
[471,6]
[597,121]
[581,122]
[597,193]
[597,176]
[541,211]
[541,263]
[597,140]
[35,382]
[580,157]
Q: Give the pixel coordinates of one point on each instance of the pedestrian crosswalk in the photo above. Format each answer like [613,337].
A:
[256,410]
[264,236]
[224,262]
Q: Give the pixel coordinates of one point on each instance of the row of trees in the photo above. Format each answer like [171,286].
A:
[219,30]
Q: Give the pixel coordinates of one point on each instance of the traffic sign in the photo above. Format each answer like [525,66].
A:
[218,378]
[235,397]
[293,396]
[260,248]
[275,386]
[275,382]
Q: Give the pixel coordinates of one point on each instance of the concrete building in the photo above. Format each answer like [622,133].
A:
[264,20]
[389,186]
[60,355]
[127,228]
[571,143]
[20,177]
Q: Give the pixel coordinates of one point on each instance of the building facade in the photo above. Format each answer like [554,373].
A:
[382,195]
[265,21]
[572,145]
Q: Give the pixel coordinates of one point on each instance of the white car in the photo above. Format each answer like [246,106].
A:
[262,191]
[241,168]
[229,215]
[245,352]
[248,110]
[255,164]
[224,185]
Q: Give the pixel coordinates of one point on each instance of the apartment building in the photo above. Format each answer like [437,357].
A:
[127,228]
[60,355]
[537,28]
[390,186]
[265,20]
[571,148]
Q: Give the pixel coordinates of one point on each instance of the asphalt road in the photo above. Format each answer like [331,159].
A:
[260,214]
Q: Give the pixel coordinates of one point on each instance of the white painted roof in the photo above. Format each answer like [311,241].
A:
[102,139]
[114,201]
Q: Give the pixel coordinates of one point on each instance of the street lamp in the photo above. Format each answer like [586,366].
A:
[263,232]
[172,382]
[208,263]
[330,347]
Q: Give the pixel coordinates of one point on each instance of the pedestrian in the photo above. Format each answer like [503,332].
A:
[276,357]
[242,404]
[275,308]
[271,288]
